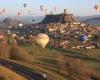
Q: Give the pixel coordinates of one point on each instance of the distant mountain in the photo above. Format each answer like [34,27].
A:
[9,22]
[14,20]
[29,19]
[83,18]
[24,19]
[93,21]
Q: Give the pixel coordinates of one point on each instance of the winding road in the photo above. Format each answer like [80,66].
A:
[24,71]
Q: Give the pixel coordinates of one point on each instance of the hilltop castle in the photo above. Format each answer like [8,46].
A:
[59,18]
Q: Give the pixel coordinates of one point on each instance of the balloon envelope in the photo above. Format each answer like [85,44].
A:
[97,28]
[1,35]
[55,8]
[41,7]
[96,7]
[83,38]
[25,5]
[3,10]
[42,39]
[19,14]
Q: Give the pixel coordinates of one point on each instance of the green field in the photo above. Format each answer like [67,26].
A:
[49,55]
[65,63]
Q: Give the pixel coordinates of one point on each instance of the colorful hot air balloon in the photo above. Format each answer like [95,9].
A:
[42,39]
[83,38]
[41,7]
[96,7]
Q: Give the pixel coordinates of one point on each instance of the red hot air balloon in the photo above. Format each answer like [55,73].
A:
[3,10]
[1,35]
[96,7]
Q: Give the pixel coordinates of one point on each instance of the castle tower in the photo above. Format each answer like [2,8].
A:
[65,11]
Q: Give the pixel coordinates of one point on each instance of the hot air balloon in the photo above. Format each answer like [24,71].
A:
[25,5]
[41,7]
[55,8]
[96,7]
[3,10]
[19,14]
[1,36]
[83,38]
[42,39]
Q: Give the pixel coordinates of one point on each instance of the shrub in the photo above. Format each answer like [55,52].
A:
[18,53]
[3,77]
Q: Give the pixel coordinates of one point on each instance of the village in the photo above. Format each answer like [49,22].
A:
[63,30]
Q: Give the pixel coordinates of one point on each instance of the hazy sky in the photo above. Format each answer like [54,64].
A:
[77,7]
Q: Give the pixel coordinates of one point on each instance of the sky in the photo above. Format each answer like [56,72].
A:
[77,7]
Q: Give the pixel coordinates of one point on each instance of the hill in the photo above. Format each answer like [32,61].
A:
[92,21]
[82,18]
[7,22]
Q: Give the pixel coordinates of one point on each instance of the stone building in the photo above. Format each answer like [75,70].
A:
[59,18]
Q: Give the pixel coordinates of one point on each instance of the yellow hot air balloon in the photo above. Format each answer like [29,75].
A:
[42,39]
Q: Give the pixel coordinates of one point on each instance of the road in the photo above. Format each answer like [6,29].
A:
[24,71]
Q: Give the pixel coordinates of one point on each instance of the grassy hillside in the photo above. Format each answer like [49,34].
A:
[66,62]
[91,57]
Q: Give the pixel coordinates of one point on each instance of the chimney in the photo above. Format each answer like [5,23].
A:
[65,11]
